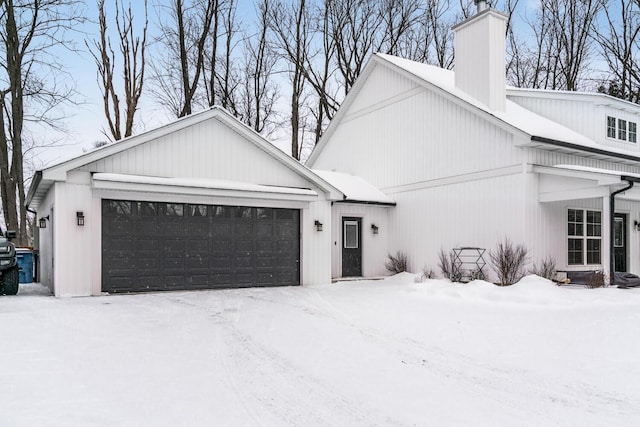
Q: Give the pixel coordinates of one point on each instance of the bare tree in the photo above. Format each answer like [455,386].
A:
[355,25]
[290,23]
[132,55]
[29,88]
[184,37]
[620,45]
[573,22]
[261,92]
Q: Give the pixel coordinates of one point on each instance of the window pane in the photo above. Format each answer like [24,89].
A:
[618,233]
[594,219]
[221,211]
[242,212]
[575,251]
[119,207]
[264,213]
[575,222]
[174,209]
[198,210]
[611,127]
[622,129]
[351,234]
[593,251]
[147,209]
[632,132]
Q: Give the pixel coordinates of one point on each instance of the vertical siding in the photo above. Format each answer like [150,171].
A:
[417,139]
[209,149]
[375,247]
[381,85]
[45,240]
[75,246]
[475,213]
[316,245]
[584,116]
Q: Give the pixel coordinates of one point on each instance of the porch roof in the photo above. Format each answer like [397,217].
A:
[572,182]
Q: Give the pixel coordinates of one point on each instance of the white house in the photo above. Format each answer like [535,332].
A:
[203,202]
[417,159]
[469,161]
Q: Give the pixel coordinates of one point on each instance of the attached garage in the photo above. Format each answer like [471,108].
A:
[153,246]
[201,203]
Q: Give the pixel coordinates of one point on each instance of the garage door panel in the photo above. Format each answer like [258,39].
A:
[164,246]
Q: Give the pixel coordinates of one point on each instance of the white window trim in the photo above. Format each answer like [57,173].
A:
[584,237]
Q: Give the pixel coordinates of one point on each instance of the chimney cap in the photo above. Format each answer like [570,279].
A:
[481,4]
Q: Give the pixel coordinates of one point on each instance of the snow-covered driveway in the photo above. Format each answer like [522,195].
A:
[388,353]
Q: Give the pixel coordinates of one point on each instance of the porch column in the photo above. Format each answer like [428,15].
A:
[606,235]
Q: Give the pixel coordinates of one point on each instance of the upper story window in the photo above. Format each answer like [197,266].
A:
[611,127]
[621,129]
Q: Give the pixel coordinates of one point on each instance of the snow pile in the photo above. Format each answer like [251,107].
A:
[361,353]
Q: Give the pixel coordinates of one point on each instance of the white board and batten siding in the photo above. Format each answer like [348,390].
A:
[208,149]
[584,113]
[418,138]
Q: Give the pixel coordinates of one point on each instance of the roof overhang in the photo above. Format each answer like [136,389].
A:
[594,152]
[199,187]
[569,182]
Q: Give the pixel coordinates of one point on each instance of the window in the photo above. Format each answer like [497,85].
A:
[611,127]
[584,230]
[632,132]
[622,129]
[174,209]
[351,234]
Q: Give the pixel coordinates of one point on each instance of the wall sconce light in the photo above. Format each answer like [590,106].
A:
[636,224]
[374,229]
[42,223]
[318,225]
[80,218]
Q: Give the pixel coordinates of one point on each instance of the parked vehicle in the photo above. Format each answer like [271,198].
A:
[9,272]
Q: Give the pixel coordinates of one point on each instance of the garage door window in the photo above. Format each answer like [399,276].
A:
[147,209]
[198,210]
[173,209]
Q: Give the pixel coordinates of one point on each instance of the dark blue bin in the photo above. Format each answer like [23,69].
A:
[25,263]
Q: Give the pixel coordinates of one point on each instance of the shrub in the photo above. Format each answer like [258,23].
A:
[546,268]
[426,273]
[596,279]
[445,264]
[508,261]
[396,263]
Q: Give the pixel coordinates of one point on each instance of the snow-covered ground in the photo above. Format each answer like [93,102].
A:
[364,353]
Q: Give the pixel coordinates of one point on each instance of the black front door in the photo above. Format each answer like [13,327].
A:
[351,247]
[620,242]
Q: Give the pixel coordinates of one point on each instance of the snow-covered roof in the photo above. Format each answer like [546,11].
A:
[514,114]
[354,188]
[626,175]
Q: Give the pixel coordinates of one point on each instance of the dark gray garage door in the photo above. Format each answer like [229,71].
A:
[148,246]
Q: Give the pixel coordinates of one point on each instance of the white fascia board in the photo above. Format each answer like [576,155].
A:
[208,188]
[577,194]
[601,177]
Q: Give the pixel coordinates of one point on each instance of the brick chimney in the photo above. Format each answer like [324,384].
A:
[480,56]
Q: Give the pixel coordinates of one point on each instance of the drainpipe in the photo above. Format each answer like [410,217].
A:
[612,210]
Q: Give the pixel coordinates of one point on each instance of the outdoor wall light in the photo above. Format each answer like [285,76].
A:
[42,223]
[80,218]
[318,225]
[374,229]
